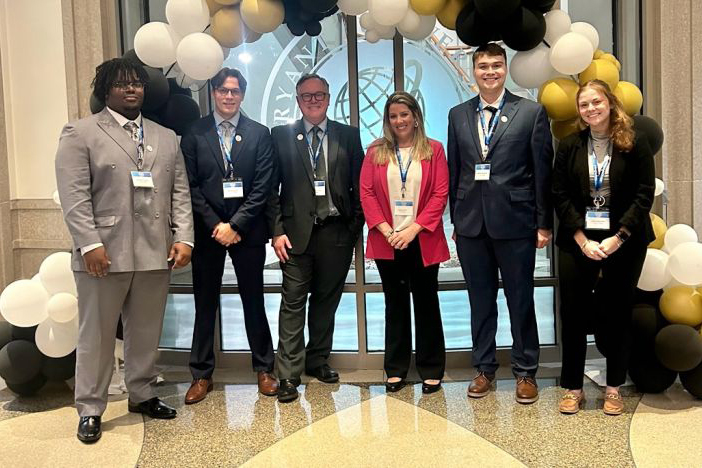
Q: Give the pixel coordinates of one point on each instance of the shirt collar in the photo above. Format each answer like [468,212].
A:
[122,120]
[493,104]
[308,125]
[219,119]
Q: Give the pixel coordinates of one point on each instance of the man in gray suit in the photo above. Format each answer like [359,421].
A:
[125,198]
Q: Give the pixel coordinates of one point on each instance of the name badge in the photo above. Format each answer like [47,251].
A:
[597,219]
[320,188]
[482,172]
[403,208]
[233,188]
[142,179]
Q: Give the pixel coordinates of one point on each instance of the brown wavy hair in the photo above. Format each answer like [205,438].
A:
[621,126]
[385,145]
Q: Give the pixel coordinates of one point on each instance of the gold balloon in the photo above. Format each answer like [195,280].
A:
[262,16]
[558,97]
[659,228]
[630,96]
[613,59]
[603,70]
[598,53]
[227,27]
[562,128]
[250,35]
[683,305]
[226,2]
[448,14]
[213,6]
[427,7]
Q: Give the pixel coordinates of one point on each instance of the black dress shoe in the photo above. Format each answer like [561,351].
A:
[89,430]
[154,408]
[324,373]
[287,390]
[430,388]
[395,386]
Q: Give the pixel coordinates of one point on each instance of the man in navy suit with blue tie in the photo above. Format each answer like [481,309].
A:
[499,154]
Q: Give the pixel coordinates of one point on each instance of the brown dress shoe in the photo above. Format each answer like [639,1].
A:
[571,402]
[481,385]
[527,391]
[613,404]
[267,384]
[198,391]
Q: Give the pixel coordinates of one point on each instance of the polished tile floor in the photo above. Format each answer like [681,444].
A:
[356,424]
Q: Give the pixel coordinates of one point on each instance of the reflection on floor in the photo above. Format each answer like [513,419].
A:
[358,424]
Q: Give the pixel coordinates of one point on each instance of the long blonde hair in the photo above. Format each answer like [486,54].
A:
[621,126]
[385,146]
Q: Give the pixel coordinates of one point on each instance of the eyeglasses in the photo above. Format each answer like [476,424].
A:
[320,96]
[127,84]
[222,91]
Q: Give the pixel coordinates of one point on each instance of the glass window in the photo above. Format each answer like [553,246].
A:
[178,322]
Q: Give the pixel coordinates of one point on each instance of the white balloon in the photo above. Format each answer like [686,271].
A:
[660,186]
[673,283]
[56,339]
[386,32]
[187,16]
[353,7]
[557,24]
[416,27]
[55,197]
[587,30]
[56,274]
[571,54]
[366,21]
[23,303]
[200,56]
[532,68]
[678,234]
[62,307]
[685,263]
[372,36]
[388,12]
[155,44]
[655,274]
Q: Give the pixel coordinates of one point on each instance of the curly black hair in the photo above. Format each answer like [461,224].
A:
[110,71]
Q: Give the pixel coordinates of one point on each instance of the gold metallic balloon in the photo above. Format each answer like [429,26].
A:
[600,69]
[562,128]
[683,305]
[227,27]
[630,96]
[262,16]
[427,7]
[558,97]
[448,14]
[659,228]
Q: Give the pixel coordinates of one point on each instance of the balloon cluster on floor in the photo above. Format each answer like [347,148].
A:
[667,324]
[39,338]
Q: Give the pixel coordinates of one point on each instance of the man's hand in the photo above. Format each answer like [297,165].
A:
[280,244]
[180,254]
[225,235]
[97,262]
[543,237]
[610,245]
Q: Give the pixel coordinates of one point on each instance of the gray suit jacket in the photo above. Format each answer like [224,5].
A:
[100,204]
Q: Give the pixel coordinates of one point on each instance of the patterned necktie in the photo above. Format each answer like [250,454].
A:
[133,130]
[320,173]
[227,132]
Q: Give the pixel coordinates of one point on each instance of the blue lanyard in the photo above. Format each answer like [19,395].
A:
[489,132]
[403,174]
[227,154]
[599,173]
[314,157]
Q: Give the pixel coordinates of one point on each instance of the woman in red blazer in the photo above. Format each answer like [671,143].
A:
[404,189]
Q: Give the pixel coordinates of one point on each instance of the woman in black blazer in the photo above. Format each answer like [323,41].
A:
[603,184]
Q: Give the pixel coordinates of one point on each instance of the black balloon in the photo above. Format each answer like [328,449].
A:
[646,322]
[314,28]
[96,105]
[28,388]
[496,10]
[59,368]
[24,333]
[472,29]
[318,6]
[131,55]
[679,347]
[20,361]
[647,297]
[179,112]
[524,30]
[175,89]
[692,381]
[156,91]
[296,27]
[650,128]
[649,375]
[5,333]
[541,6]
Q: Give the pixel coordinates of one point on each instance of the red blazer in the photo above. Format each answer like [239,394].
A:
[433,194]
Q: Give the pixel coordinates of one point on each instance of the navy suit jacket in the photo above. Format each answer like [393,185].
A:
[516,200]
[253,162]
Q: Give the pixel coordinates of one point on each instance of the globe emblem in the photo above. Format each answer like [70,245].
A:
[375,84]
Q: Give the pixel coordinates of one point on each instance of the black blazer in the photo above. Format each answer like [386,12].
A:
[253,162]
[632,183]
[516,200]
[291,210]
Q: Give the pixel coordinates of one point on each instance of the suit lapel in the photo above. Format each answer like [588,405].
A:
[239,137]
[213,141]
[473,125]
[509,111]
[302,149]
[582,162]
[150,143]
[333,148]
[120,136]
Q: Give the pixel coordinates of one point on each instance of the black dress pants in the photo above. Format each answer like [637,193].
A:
[578,276]
[406,275]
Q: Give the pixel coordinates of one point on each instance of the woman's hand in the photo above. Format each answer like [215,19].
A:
[401,239]
[610,245]
[593,250]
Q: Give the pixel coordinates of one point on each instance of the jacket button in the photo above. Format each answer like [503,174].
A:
[155,190]
[136,214]
[114,166]
[157,215]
